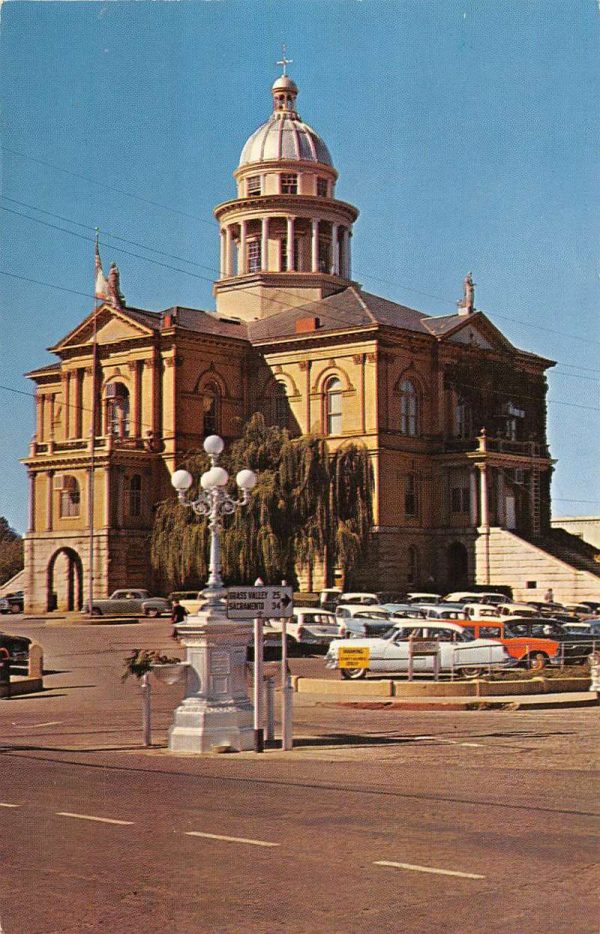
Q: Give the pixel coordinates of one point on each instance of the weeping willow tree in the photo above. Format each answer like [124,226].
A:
[308,509]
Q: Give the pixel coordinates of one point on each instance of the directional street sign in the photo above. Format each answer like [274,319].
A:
[259,602]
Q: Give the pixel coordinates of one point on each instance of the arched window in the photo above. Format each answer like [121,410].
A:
[280,409]
[409,408]
[412,565]
[116,396]
[211,404]
[134,496]
[70,498]
[333,407]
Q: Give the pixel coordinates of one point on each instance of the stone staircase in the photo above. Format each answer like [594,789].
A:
[561,562]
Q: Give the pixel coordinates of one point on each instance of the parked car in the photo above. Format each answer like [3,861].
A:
[517,609]
[329,598]
[532,652]
[459,651]
[481,611]
[16,601]
[364,599]
[308,630]
[402,610]
[416,597]
[4,605]
[131,603]
[594,605]
[484,596]
[17,648]
[443,611]
[574,649]
[585,627]
[364,621]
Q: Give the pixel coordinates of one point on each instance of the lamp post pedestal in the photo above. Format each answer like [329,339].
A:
[216,709]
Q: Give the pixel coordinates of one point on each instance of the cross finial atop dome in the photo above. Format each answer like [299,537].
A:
[284,62]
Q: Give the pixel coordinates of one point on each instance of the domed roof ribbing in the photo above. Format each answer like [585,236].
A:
[284,135]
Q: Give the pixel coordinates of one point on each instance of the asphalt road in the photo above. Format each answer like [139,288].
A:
[377,821]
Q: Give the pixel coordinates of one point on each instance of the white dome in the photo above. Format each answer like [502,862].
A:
[285,136]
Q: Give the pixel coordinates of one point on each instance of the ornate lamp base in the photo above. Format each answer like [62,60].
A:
[216,710]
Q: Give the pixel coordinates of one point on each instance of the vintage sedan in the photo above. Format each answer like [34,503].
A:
[17,648]
[458,651]
[309,630]
[131,603]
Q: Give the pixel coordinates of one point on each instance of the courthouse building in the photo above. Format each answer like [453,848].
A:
[452,414]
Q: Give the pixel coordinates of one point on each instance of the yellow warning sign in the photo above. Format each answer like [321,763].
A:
[353,656]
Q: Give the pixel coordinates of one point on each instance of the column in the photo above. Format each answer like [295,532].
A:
[41,419]
[473,511]
[348,257]
[228,251]
[67,398]
[314,242]
[335,250]
[50,501]
[345,251]
[483,496]
[223,257]
[31,477]
[107,498]
[264,244]
[290,244]
[78,413]
[500,509]
[242,263]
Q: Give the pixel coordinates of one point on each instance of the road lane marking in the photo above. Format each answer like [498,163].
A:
[3,804]
[431,869]
[473,745]
[31,726]
[216,836]
[101,820]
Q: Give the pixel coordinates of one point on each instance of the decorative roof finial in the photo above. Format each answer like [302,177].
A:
[466,305]
[101,287]
[284,62]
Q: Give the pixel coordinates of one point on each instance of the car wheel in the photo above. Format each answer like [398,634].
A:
[96,611]
[151,612]
[14,608]
[537,661]
[353,674]
[472,672]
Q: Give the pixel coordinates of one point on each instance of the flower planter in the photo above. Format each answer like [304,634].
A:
[170,673]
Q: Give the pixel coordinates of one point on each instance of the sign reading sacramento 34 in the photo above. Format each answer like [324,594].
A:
[259,602]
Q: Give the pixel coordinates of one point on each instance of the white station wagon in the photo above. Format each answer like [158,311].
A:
[458,651]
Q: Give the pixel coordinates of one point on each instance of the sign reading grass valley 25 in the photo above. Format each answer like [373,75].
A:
[357,657]
[259,602]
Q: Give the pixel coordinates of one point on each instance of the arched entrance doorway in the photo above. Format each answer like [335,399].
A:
[65,581]
[458,566]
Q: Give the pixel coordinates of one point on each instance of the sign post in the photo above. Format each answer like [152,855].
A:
[259,603]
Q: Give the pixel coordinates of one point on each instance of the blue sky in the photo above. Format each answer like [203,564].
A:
[465,131]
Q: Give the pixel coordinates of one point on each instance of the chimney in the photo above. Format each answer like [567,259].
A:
[305,325]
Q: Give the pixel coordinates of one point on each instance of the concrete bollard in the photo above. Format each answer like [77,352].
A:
[36,661]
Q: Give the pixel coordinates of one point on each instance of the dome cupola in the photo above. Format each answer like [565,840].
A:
[285,239]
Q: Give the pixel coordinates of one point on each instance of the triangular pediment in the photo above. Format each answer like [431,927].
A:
[474,330]
[110,325]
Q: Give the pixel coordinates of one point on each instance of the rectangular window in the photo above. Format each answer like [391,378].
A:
[411,499]
[324,251]
[253,255]
[289,184]
[322,187]
[460,499]
[253,185]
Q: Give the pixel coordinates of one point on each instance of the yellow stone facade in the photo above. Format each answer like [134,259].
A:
[295,337]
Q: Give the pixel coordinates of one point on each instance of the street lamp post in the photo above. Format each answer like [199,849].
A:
[216,711]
